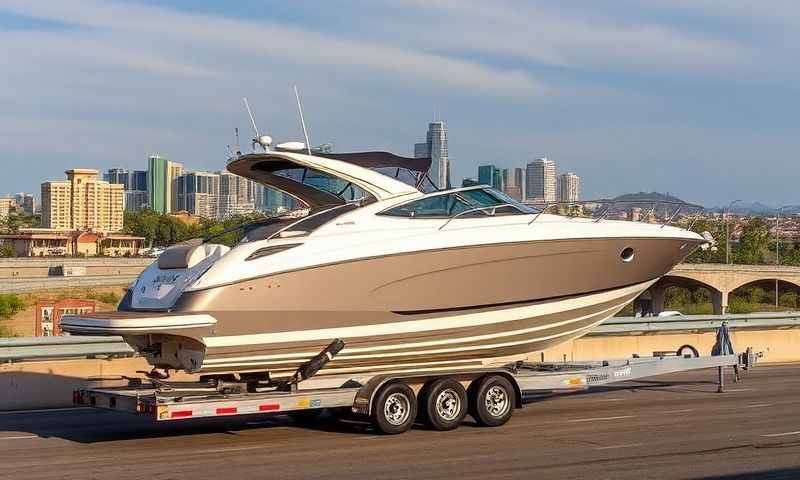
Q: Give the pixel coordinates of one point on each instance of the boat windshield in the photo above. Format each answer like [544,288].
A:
[297,223]
[476,202]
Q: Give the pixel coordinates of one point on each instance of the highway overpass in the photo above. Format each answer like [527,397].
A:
[721,279]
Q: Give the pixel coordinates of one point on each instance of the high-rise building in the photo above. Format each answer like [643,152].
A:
[541,181]
[26,201]
[486,174]
[160,175]
[237,195]
[197,193]
[276,201]
[569,187]
[512,183]
[5,207]
[135,184]
[82,202]
[435,148]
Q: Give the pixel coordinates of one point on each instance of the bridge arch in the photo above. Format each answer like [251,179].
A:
[722,279]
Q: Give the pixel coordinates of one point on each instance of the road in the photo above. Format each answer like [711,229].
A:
[675,426]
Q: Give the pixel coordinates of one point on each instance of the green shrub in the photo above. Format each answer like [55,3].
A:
[110,298]
[10,304]
[6,332]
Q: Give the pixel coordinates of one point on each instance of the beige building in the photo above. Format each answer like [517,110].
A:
[5,207]
[48,242]
[82,202]
[569,187]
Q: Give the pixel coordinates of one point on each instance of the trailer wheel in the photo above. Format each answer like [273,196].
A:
[491,400]
[687,350]
[394,409]
[443,404]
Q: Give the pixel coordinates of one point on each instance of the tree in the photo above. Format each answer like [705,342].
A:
[7,250]
[714,252]
[10,305]
[753,242]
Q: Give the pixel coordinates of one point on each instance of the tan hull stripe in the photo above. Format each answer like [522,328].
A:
[456,338]
[472,350]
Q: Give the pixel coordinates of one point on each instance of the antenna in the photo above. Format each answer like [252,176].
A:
[302,120]
[236,134]
[264,140]
[250,112]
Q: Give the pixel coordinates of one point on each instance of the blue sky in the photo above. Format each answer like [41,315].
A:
[698,98]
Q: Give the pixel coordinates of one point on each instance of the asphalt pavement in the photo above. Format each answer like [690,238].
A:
[674,426]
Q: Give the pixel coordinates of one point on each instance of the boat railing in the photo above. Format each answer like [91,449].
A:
[613,205]
[492,208]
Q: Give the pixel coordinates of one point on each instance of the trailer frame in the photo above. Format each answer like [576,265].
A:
[357,393]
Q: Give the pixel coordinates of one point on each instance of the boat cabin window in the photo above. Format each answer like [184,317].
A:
[476,202]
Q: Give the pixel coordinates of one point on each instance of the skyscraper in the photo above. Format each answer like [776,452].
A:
[486,174]
[237,195]
[160,175]
[197,193]
[512,183]
[135,184]
[541,181]
[82,202]
[569,187]
[435,147]
[27,202]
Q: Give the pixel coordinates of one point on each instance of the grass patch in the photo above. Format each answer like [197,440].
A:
[110,298]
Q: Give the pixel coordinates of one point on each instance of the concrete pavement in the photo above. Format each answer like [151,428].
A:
[672,427]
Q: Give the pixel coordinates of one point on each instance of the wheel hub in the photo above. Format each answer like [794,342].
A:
[497,403]
[396,409]
[448,405]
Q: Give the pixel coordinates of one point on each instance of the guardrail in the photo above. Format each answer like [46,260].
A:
[41,348]
[695,323]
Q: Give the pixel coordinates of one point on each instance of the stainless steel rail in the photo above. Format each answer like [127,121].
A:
[493,209]
[24,349]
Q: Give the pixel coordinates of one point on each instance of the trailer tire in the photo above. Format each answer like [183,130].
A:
[443,404]
[491,400]
[394,409]
[682,351]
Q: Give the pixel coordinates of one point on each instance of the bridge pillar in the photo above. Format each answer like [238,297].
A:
[720,302]
[658,294]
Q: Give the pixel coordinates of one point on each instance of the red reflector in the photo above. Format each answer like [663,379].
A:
[181,414]
[226,411]
[269,407]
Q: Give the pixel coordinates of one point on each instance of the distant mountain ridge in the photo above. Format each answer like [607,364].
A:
[646,200]
[757,208]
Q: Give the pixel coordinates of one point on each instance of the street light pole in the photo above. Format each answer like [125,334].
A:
[727,233]
[777,249]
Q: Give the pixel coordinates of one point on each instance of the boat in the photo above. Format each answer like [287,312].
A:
[408,279]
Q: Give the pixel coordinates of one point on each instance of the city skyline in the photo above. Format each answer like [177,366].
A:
[679,101]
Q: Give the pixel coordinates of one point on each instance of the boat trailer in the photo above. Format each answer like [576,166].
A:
[395,401]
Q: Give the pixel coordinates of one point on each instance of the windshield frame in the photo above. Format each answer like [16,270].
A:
[503,201]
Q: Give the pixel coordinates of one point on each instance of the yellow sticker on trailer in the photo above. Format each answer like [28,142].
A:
[163,411]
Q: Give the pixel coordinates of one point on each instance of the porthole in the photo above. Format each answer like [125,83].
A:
[627,254]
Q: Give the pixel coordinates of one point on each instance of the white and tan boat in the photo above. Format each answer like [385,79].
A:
[408,280]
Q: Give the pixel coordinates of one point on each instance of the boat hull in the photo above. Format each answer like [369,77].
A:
[445,308]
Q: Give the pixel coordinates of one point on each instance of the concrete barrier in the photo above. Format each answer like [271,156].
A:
[33,267]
